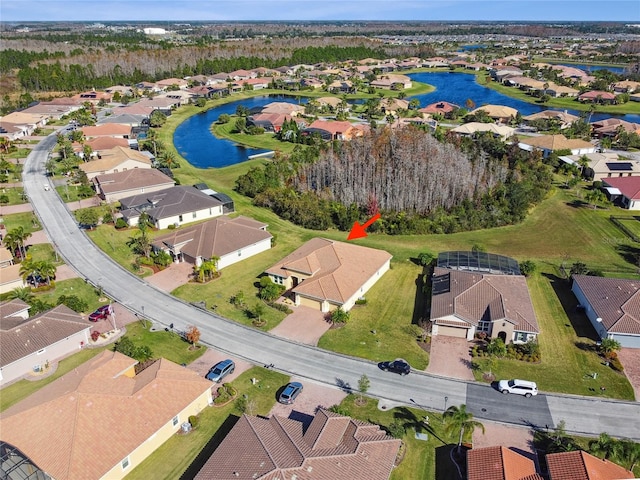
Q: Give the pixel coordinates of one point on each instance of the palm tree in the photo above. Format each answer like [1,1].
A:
[46,269]
[630,453]
[28,268]
[605,447]
[22,293]
[15,239]
[458,418]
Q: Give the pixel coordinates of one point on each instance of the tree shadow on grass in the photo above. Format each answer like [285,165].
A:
[578,320]
[411,421]
[629,253]
[209,448]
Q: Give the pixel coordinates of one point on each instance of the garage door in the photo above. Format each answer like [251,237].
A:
[452,331]
[307,302]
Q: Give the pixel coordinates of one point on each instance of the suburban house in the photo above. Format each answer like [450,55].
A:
[114,186]
[391,81]
[554,90]
[551,143]
[334,130]
[99,144]
[30,120]
[562,119]
[114,160]
[623,191]
[326,275]
[102,419]
[499,113]
[611,127]
[283,108]
[502,463]
[600,166]
[332,446]
[443,108]
[230,240]
[597,96]
[468,129]
[29,344]
[611,305]
[172,206]
[271,122]
[626,86]
[479,292]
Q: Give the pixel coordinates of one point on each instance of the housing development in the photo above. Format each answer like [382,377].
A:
[319,251]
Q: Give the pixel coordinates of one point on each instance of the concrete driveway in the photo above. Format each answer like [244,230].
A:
[172,277]
[314,395]
[630,359]
[209,358]
[450,357]
[304,325]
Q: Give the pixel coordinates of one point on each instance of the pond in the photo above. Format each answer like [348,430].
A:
[195,142]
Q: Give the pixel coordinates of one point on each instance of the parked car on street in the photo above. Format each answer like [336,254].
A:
[397,366]
[519,387]
[101,313]
[220,370]
[290,393]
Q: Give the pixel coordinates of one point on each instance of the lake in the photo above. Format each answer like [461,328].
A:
[196,143]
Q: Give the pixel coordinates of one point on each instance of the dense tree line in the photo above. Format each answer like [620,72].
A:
[11,59]
[131,69]
[418,183]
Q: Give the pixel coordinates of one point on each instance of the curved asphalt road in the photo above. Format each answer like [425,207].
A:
[583,415]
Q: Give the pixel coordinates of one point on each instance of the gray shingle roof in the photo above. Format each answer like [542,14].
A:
[24,337]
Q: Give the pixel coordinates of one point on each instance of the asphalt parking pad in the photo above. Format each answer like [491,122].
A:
[487,403]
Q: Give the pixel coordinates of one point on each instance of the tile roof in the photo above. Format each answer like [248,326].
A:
[332,126]
[106,129]
[332,447]
[615,300]
[556,142]
[9,308]
[580,465]
[132,179]
[499,463]
[497,111]
[215,238]
[87,421]
[113,157]
[628,186]
[172,201]
[337,269]
[20,337]
[474,297]
[106,143]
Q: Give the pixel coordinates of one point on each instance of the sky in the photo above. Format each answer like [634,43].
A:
[627,11]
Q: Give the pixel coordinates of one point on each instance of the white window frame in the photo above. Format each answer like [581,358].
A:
[125,463]
[175,420]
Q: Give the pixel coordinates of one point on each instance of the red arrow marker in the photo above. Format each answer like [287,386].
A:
[358,231]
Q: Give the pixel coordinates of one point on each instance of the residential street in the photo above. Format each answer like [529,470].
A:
[581,414]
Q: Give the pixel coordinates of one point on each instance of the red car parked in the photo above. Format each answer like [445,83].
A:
[101,313]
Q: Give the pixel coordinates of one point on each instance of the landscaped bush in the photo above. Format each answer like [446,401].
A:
[95,335]
[270,291]
[225,393]
[193,420]
[121,223]
[73,302]
[281,307]
[361,301]
[339,316]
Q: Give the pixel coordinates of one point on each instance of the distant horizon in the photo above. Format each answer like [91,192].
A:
[525,11]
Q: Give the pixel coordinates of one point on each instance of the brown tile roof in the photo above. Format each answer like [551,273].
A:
[337,269]
[332,126]
[556,142]
[333,447]
[215,238]
[580,465]
[283,108]
[87,421]
[112,158]
[474,297]
[106,129]
[106,143]
[132,179]
[497,111]
[20,337]
[615,300]
[9,308]
[499,463]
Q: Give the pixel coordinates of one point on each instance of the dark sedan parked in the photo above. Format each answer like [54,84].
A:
[397,366]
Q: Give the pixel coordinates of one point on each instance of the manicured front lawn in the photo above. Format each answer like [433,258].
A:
[73,286]
[15,196]
[389,312]
[26,220]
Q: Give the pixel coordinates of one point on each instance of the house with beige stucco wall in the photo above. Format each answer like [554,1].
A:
[325,274]
[66,426]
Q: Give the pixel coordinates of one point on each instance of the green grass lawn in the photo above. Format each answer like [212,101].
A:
[632,224]
[26,220]
[15,196]
[73,286]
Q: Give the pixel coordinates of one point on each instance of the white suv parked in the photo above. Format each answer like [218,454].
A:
[521,387]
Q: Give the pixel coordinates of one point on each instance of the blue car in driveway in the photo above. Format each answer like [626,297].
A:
[290,393]
[220,370]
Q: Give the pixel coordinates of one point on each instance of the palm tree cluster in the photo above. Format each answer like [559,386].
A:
[15,240]
[207,270]
[37,271]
